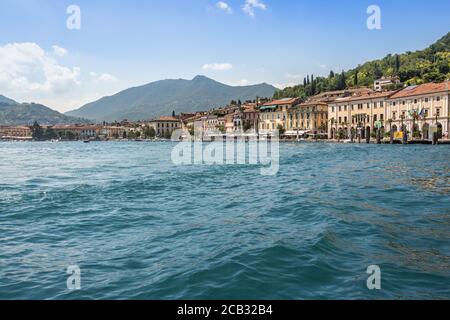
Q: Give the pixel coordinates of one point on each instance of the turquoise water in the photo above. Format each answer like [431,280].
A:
[141,228]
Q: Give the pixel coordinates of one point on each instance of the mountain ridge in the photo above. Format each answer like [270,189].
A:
[164,96]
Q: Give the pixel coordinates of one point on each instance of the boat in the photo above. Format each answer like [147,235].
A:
[86,141]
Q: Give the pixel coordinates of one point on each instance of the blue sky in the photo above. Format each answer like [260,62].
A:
[128,43]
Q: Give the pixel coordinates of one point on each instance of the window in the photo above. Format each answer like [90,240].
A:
[438,112]
[381,117]
[340,119]
[353,107]
[438,99]
[381,104]
[340,108]
[426,99]
[375,118]
[345,108]
[415,100]
[403,102]
[368,105]
[345,119]
[332,109]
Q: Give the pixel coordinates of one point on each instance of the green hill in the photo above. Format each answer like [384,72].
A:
[429,65]
[13,113]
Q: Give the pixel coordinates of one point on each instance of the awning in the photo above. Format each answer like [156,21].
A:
[263,108]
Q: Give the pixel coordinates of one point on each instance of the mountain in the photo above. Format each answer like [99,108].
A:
[13,113]
[429,65]
[162,97]
[6,100]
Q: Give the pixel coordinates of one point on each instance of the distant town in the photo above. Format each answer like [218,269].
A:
[389,111]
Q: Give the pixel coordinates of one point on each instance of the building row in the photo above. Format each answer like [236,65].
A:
[342,114]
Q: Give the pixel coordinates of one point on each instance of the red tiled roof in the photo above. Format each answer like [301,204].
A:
[166,118]
[425,88]
[281,102]
[366,96]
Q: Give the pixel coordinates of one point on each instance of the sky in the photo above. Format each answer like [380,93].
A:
[45,58]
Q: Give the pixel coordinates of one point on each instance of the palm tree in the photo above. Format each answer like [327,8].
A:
[415,117]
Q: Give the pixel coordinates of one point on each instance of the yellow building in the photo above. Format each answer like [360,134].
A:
[308,118]
[274,114]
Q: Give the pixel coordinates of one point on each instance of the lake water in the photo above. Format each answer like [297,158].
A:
[139,227]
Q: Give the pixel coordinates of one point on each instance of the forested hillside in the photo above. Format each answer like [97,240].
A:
[429,65]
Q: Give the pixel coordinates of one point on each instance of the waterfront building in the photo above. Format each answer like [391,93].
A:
[308,118]
[273,114]
[164,126]
[73,132]
[418,107]
[250,117]
[15,132]
[357,115]
[214,123]
[114,132]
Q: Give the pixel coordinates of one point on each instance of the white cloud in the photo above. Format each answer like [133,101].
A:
[224,6]
[217,66]
[26,68]
[102,77]
[59,51]
[250,6]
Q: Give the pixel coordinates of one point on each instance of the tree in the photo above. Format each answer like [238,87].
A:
[397,64]
[37,132]
[149,132]
[355,83]
[377,72]
[341,85]
[50,134]
[124,135]
[331,74]
[173,113]
[281,129]
[167,135]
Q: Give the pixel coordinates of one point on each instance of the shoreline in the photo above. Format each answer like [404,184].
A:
[328,141]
